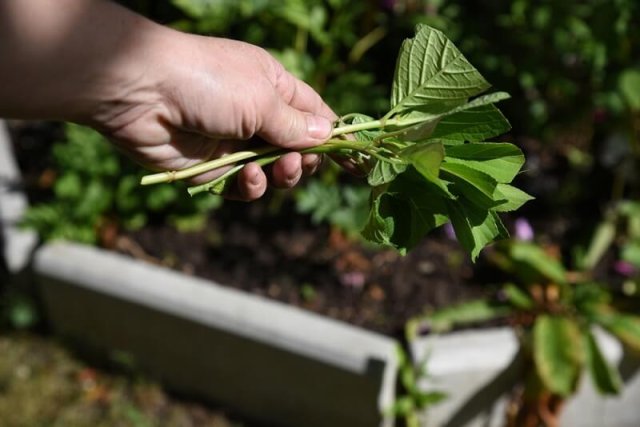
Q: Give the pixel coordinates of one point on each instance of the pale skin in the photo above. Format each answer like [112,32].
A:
[166,98]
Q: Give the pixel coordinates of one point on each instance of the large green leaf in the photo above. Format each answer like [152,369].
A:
[501,161]
[475,227]
[473,125]
[606,378]
[431,70]
[558,353]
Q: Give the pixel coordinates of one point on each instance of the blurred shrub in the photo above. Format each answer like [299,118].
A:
[96,188]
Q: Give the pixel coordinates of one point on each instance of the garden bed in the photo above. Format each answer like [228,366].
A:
[283,256]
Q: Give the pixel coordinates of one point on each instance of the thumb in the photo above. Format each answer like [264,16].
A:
[288,127]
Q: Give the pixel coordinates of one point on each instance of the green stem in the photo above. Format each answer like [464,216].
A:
[331,145]
[198,169]
[343,130]
[377,124]
[207,187]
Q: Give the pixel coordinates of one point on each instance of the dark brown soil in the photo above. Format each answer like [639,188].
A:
[284,257]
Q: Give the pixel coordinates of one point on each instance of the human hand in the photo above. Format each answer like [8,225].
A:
[203,97]
[168,99]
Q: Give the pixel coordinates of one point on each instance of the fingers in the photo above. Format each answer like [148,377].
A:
[286,172]
[251,184]
[251,181]
[311,163]
[288,127]
[300,118]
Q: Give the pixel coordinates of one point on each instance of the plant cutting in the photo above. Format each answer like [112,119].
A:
[426,159]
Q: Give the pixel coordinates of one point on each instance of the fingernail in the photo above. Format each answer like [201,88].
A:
[319,127]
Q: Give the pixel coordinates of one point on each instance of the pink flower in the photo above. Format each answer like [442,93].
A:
[523,230]
[624,268]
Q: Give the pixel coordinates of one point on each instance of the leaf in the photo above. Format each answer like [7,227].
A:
[431,69]
[538,261]
[474,185]
[501,161]
[378,229]
[429,115]
[624,326]
[473,125]
[222,185]
[518,297]
[427,159]
[409,208]
[475,227]
[600,243]
[426,399]
[606,378]
[557,353]
[402,406]
[364,135]
[408,378]
[447,318]
[514,198]
[384,172]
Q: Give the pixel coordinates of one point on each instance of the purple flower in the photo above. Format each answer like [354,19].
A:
[449,231]
[523,230]
[624,268]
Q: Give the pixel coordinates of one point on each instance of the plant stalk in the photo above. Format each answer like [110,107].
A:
[331,145]
[171,176]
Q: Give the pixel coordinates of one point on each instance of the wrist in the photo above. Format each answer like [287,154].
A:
[124,71]
[72,60]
